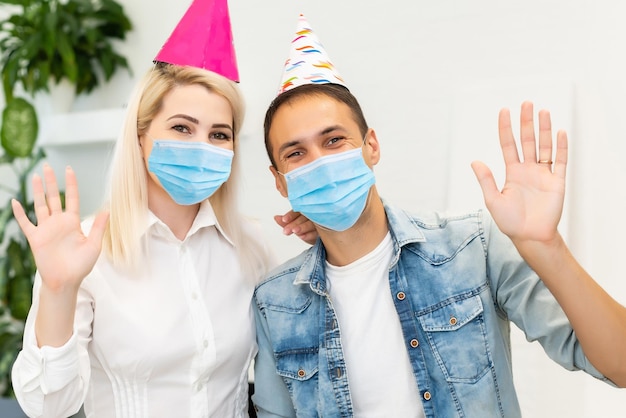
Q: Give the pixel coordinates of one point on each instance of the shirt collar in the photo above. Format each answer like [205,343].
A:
[402,227]
[206,217]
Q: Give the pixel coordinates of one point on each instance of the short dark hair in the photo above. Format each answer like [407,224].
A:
[334,91]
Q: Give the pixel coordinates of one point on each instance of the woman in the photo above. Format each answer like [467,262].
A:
[159,324]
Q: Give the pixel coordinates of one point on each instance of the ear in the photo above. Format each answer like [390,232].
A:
[373,148]
[281,185]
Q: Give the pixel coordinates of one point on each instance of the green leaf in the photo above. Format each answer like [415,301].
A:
[19,128]
[4,280]
[5,216]
[20,296]
[50,26]
[68,57]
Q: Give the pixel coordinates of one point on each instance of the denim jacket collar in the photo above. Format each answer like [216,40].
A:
[403,231]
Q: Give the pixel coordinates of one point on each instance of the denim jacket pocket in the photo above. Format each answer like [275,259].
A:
[457,336]
[299,365]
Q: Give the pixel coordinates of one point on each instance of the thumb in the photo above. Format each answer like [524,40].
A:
[98,228]
[486,181]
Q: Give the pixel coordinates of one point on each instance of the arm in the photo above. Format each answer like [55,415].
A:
[528,210]
[64,256]
[271,397]
[52,381]
[51,373]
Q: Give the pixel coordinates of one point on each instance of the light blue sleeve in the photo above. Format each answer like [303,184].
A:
[271,397]
[522,298]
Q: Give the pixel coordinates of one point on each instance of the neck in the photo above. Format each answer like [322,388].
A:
[345,247]
[178,218]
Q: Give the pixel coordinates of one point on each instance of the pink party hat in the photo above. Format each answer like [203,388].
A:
[308,62]
[203,39]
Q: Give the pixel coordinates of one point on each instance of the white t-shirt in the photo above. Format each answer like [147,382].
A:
[379,371]
[175,341]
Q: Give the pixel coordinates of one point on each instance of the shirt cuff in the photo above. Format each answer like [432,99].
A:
[50,368]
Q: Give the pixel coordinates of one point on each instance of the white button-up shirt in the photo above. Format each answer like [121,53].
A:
[175,340]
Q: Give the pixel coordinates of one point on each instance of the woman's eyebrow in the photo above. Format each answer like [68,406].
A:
[180,115]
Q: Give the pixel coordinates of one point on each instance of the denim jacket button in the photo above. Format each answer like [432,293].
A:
[427,396]
[301,373]
[401,295]
[414,343]
[453,320]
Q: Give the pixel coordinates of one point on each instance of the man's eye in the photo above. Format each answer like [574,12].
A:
[335,140]
[293,154]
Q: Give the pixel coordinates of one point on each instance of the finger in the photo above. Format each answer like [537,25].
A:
[298,221]
[507,140]
[71,192]
[25,224]
[486,181]
[279,220]
[39,199]
[545,138]
[306,226]
[52,190]
[309,237]
[97,229]
[527,133]
[560,159]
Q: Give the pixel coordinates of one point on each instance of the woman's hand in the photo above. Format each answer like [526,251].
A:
[296,223]
[63,254]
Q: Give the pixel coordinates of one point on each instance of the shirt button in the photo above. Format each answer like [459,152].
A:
[205,343]
[414,343]
[427,396]
[453,320]
[194,296]
[401,295]
[301,373]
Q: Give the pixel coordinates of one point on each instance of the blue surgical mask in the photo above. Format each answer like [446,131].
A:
[332,190]
[190,172]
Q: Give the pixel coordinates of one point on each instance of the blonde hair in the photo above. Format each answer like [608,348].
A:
[128,192]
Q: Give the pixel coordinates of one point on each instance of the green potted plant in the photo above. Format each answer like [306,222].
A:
[45,42]
[53,40]
[17,267]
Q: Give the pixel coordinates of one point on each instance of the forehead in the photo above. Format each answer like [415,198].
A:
[308,116]
[197,101]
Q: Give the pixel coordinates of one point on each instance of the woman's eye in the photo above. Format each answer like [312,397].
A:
[221,136]
[181,128]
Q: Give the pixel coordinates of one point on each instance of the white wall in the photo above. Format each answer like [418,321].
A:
[431,77]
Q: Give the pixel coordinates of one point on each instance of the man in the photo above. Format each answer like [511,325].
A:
[397,315]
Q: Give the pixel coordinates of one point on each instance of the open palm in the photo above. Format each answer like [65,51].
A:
[530,204]
[63,254]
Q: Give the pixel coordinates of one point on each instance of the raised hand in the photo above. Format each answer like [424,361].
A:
[63,254]
[530,204]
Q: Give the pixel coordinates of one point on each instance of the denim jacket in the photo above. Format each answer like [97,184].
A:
[456,282]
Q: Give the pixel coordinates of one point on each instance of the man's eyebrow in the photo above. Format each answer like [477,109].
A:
[289,144]
[331,129]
